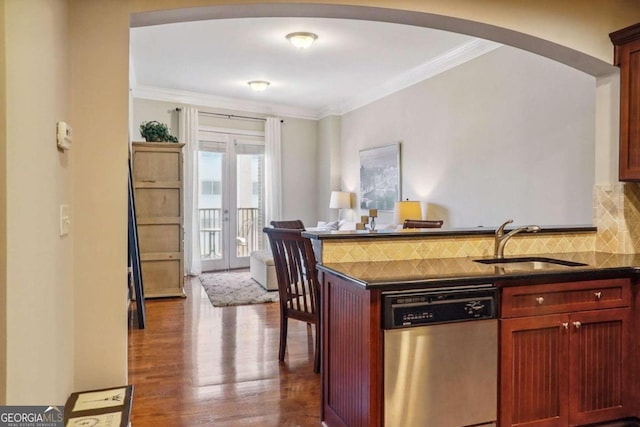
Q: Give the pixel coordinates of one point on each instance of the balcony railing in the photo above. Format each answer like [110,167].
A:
[248,235]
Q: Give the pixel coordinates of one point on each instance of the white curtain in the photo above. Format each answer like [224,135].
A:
[189,135]
[273,170]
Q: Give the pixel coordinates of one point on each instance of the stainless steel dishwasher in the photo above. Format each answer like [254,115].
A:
[441,357]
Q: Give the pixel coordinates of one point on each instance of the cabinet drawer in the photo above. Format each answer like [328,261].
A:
[162,278]
[565,297]
[157,164]
[159,237]
[158,202]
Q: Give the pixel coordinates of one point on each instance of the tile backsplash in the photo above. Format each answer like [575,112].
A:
[616,215]
[448,247]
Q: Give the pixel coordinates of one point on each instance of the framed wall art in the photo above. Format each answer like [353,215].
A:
[380,177]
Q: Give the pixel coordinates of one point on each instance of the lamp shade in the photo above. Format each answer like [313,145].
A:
[407,209]
[340,200]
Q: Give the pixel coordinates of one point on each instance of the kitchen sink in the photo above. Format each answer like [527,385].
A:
[529,263]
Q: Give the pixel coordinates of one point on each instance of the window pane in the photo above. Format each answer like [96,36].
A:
[210,166]
[250,198]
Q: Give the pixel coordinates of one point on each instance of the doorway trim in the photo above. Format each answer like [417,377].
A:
[563,54]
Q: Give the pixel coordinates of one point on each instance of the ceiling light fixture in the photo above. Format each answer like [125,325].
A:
[258,85]
[302,40]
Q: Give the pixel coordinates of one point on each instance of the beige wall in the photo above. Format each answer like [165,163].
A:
[39,263]
[3,209]
[82,300]
[99,115]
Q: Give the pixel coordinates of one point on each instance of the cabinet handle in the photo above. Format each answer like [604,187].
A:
[598,295]
[577,325]
[565,325]
[540,300]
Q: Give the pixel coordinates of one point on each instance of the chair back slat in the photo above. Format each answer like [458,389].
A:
[297,277]
[296,272]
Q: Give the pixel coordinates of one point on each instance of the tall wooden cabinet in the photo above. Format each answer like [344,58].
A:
[565,354]
[158,188]
[627,56]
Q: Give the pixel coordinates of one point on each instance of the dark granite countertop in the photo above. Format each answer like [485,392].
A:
[435,232]
[426,273]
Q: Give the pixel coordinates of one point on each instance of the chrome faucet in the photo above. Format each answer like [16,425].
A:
[502,239]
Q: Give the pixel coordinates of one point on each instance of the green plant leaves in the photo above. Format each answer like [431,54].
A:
[153,131]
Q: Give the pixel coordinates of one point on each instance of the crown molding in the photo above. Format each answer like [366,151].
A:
[204,100]
[448,60]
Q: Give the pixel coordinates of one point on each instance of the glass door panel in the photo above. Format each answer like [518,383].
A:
[212,159]
[249,155]
[231,199]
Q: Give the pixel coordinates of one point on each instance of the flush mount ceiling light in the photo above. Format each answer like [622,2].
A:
[258,85]
[302,40]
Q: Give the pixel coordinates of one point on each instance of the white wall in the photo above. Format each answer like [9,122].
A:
[39,277]
[299,151]
[328,165]
[507,135]
[299,172]
[607,128]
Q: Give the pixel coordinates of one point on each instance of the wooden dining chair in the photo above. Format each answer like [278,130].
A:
[422,223]
[294,224]
[298,285]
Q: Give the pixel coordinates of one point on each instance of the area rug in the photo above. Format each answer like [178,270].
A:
[227,288]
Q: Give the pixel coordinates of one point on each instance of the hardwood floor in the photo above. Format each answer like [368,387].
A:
[199,365]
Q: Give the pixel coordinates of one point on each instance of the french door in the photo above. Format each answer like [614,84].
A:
[230,198]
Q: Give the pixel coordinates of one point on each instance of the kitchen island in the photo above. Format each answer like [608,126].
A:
[566,331]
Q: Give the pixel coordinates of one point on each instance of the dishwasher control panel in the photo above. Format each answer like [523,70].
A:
[428,307]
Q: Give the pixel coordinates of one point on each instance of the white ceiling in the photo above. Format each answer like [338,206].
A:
[351,64]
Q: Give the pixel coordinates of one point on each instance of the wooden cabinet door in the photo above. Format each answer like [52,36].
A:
[599,366]
[534,385]
[627,57]
[630,112]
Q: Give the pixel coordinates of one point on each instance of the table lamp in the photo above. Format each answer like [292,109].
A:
[340,200]
[407,209]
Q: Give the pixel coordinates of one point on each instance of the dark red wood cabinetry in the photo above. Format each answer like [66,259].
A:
[627,56]
[352,354]
[568,364]
[566,353]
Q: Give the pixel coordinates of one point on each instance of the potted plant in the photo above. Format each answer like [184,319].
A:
[154,131]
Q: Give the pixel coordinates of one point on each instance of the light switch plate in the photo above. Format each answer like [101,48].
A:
[64,135]
[65,220]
